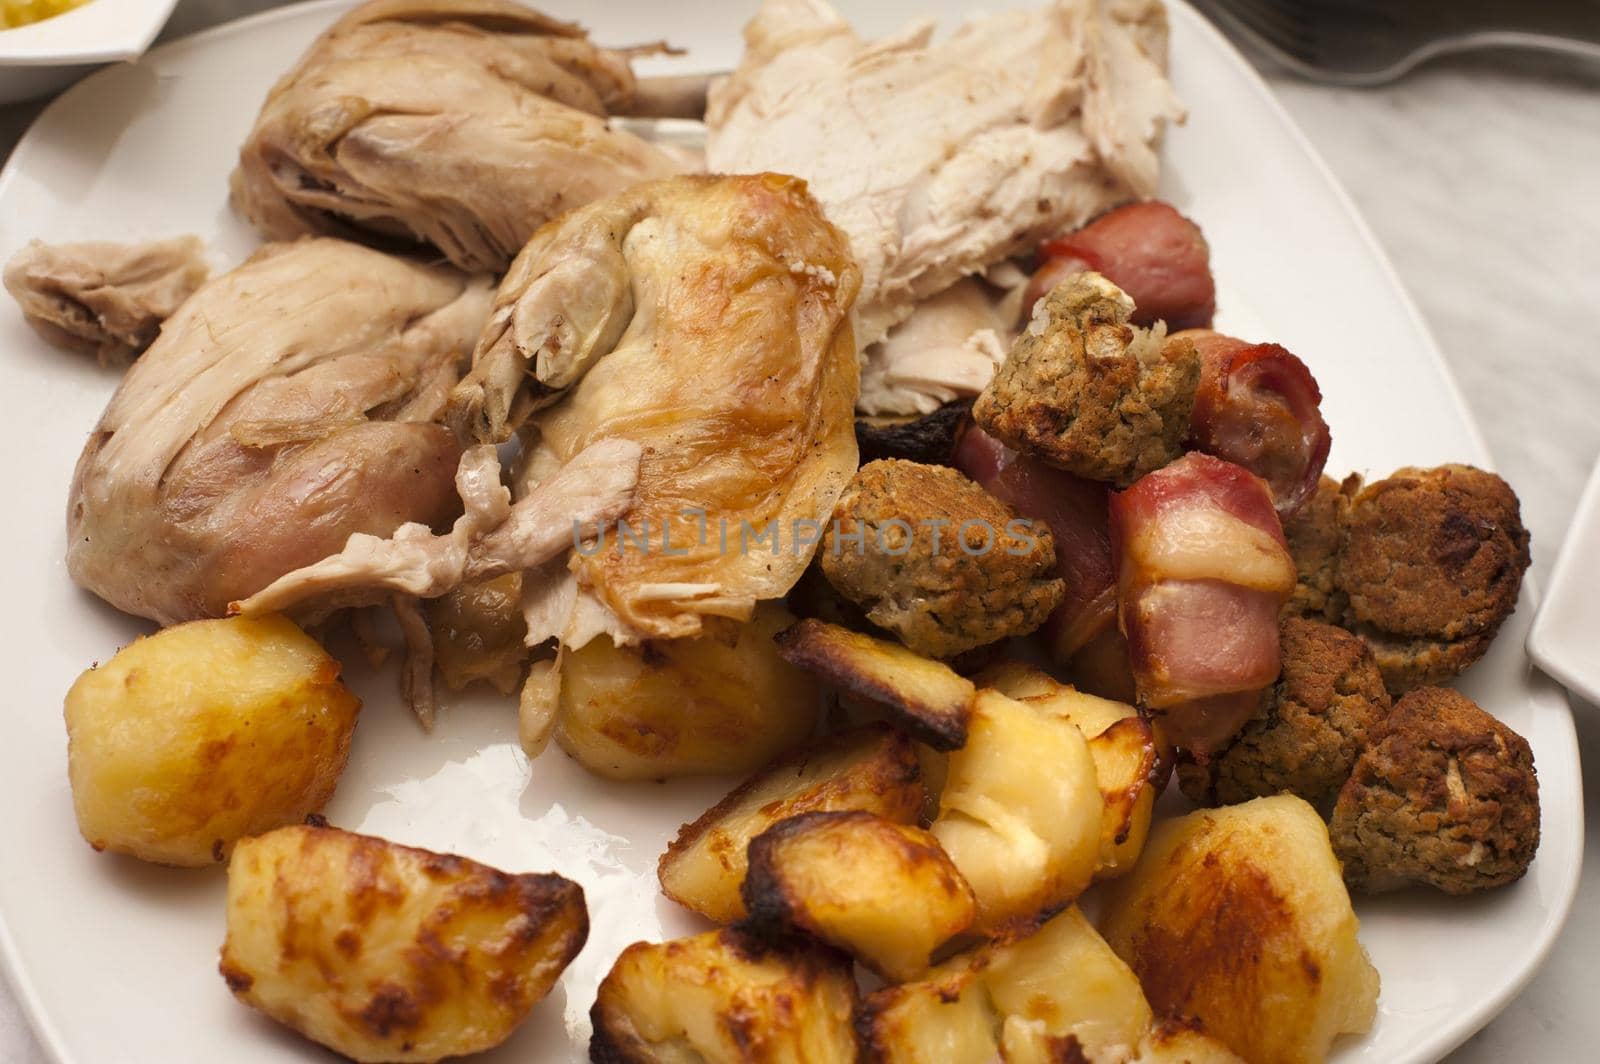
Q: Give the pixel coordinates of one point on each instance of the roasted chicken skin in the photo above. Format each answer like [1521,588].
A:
[286,405]
[462,124]
[706,319]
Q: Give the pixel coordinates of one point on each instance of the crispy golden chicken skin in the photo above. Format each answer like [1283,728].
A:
[705,319]
[1088,392]
[935,559]
[1309,729]
[1431,562]
[1445,795]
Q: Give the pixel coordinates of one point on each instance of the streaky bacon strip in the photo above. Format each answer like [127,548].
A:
[1202,569]
[1259,407]
[1075,511]
[1150,251]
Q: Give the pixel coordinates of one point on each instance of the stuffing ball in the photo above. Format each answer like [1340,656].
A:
[1309,729]
[1445,795]
[1430,565]
[932,557]
[1085,391]
[1314,533]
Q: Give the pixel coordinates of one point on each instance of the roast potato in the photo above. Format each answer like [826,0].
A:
[940,1019]
[1040,997]
[724,702]
[725,997]
[872,768]
[193,738]
[1021,812]
[1170,1042]
[478,633]
[1127,760]
[387,953]
[1018,679]
[1239,918]
[883,892]
[1065,981]
[925,697]
[1128,765]
[1182,1042]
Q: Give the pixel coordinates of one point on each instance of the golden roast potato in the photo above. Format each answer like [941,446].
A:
[939,1019]
[1063,980]
[724,702]
[1021,812]
[1018,679]
[387,953]
[885,893]
[1057,991]
[1239,918]
[725,997]
[193,738]
[926,698]
[1182,1042]
[872,768]
[1127,762]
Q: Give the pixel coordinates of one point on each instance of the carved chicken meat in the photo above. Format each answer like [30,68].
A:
[463,124]
[707,320]
[940,158]
[286,405]
[103,297]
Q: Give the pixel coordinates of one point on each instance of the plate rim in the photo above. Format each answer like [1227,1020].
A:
[1543,692]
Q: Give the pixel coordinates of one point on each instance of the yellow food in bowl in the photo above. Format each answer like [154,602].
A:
[15,13]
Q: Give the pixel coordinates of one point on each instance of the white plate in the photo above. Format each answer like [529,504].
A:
[116,961]
[1565,640]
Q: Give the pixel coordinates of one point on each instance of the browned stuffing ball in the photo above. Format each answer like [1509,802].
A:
[1445,795]
[938,561]
[1309,729]
[1085,391]
[1431,563]
[1314,533]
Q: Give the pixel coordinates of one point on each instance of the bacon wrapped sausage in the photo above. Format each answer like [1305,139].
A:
[1075,511]
[1148,250]
[1259,407]
[1202,569]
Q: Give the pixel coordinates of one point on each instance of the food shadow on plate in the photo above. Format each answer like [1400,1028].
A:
[161,886]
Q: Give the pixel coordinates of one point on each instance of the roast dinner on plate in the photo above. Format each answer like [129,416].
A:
[872,444]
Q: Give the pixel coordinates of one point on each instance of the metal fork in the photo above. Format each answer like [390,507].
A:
[1369,42]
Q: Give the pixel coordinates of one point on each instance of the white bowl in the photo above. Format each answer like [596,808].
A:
[43,56]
